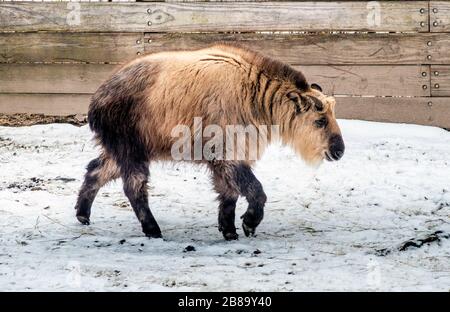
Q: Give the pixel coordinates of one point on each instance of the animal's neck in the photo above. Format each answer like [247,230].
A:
[267,115]
[266,98]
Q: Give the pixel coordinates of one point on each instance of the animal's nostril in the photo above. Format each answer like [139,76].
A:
[338,154]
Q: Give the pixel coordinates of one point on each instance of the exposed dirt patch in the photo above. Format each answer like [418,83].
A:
[18,120]
[435,237]
[36,184]
[8,144]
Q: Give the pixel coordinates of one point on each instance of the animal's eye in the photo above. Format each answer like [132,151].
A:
[321,123]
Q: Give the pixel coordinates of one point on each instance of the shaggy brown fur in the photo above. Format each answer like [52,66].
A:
[133,113]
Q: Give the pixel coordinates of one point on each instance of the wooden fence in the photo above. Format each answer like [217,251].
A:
[384,60]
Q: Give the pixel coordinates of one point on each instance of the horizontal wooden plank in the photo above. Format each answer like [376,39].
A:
[370,80]
[422,111]
[53,78]
[440,16]
[440,80]
[83,16]
[342,80]
[336,49]
[70,47]
[49,104]
[398,16]
[294,49]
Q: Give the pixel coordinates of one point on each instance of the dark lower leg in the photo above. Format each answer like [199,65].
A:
[228,195]
[254,214]
[135,187]
[99,172]
[227,208]
[230,180]
[252,189]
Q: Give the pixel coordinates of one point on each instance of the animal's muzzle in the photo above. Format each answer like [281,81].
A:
[336,148]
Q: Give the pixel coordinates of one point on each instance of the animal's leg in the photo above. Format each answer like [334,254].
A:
[99,172]
[227,207]
[135,177]
[252,189]
[228,192]
[231,180]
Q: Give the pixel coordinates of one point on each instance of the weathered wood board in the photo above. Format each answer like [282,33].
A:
[342,80]
[53,78]
[335,49]
[49,104]
[440,80]
[370,80]
[422,111]
[404,16]
[73,16]
[440,16]
[70,47]
[439,50]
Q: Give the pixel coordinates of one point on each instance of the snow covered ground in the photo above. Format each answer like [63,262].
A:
[339,227]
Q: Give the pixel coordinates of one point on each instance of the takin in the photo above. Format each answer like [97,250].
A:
[134,112]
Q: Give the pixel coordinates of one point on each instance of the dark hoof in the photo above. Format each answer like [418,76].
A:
[83,220]
[154,235]
[230,236]
[248,231]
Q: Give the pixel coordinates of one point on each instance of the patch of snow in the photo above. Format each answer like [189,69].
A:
[321,232]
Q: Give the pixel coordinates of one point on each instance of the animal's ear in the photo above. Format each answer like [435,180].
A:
[315,86]
[301,102]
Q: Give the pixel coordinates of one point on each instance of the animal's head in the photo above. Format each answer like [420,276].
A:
[313,129]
